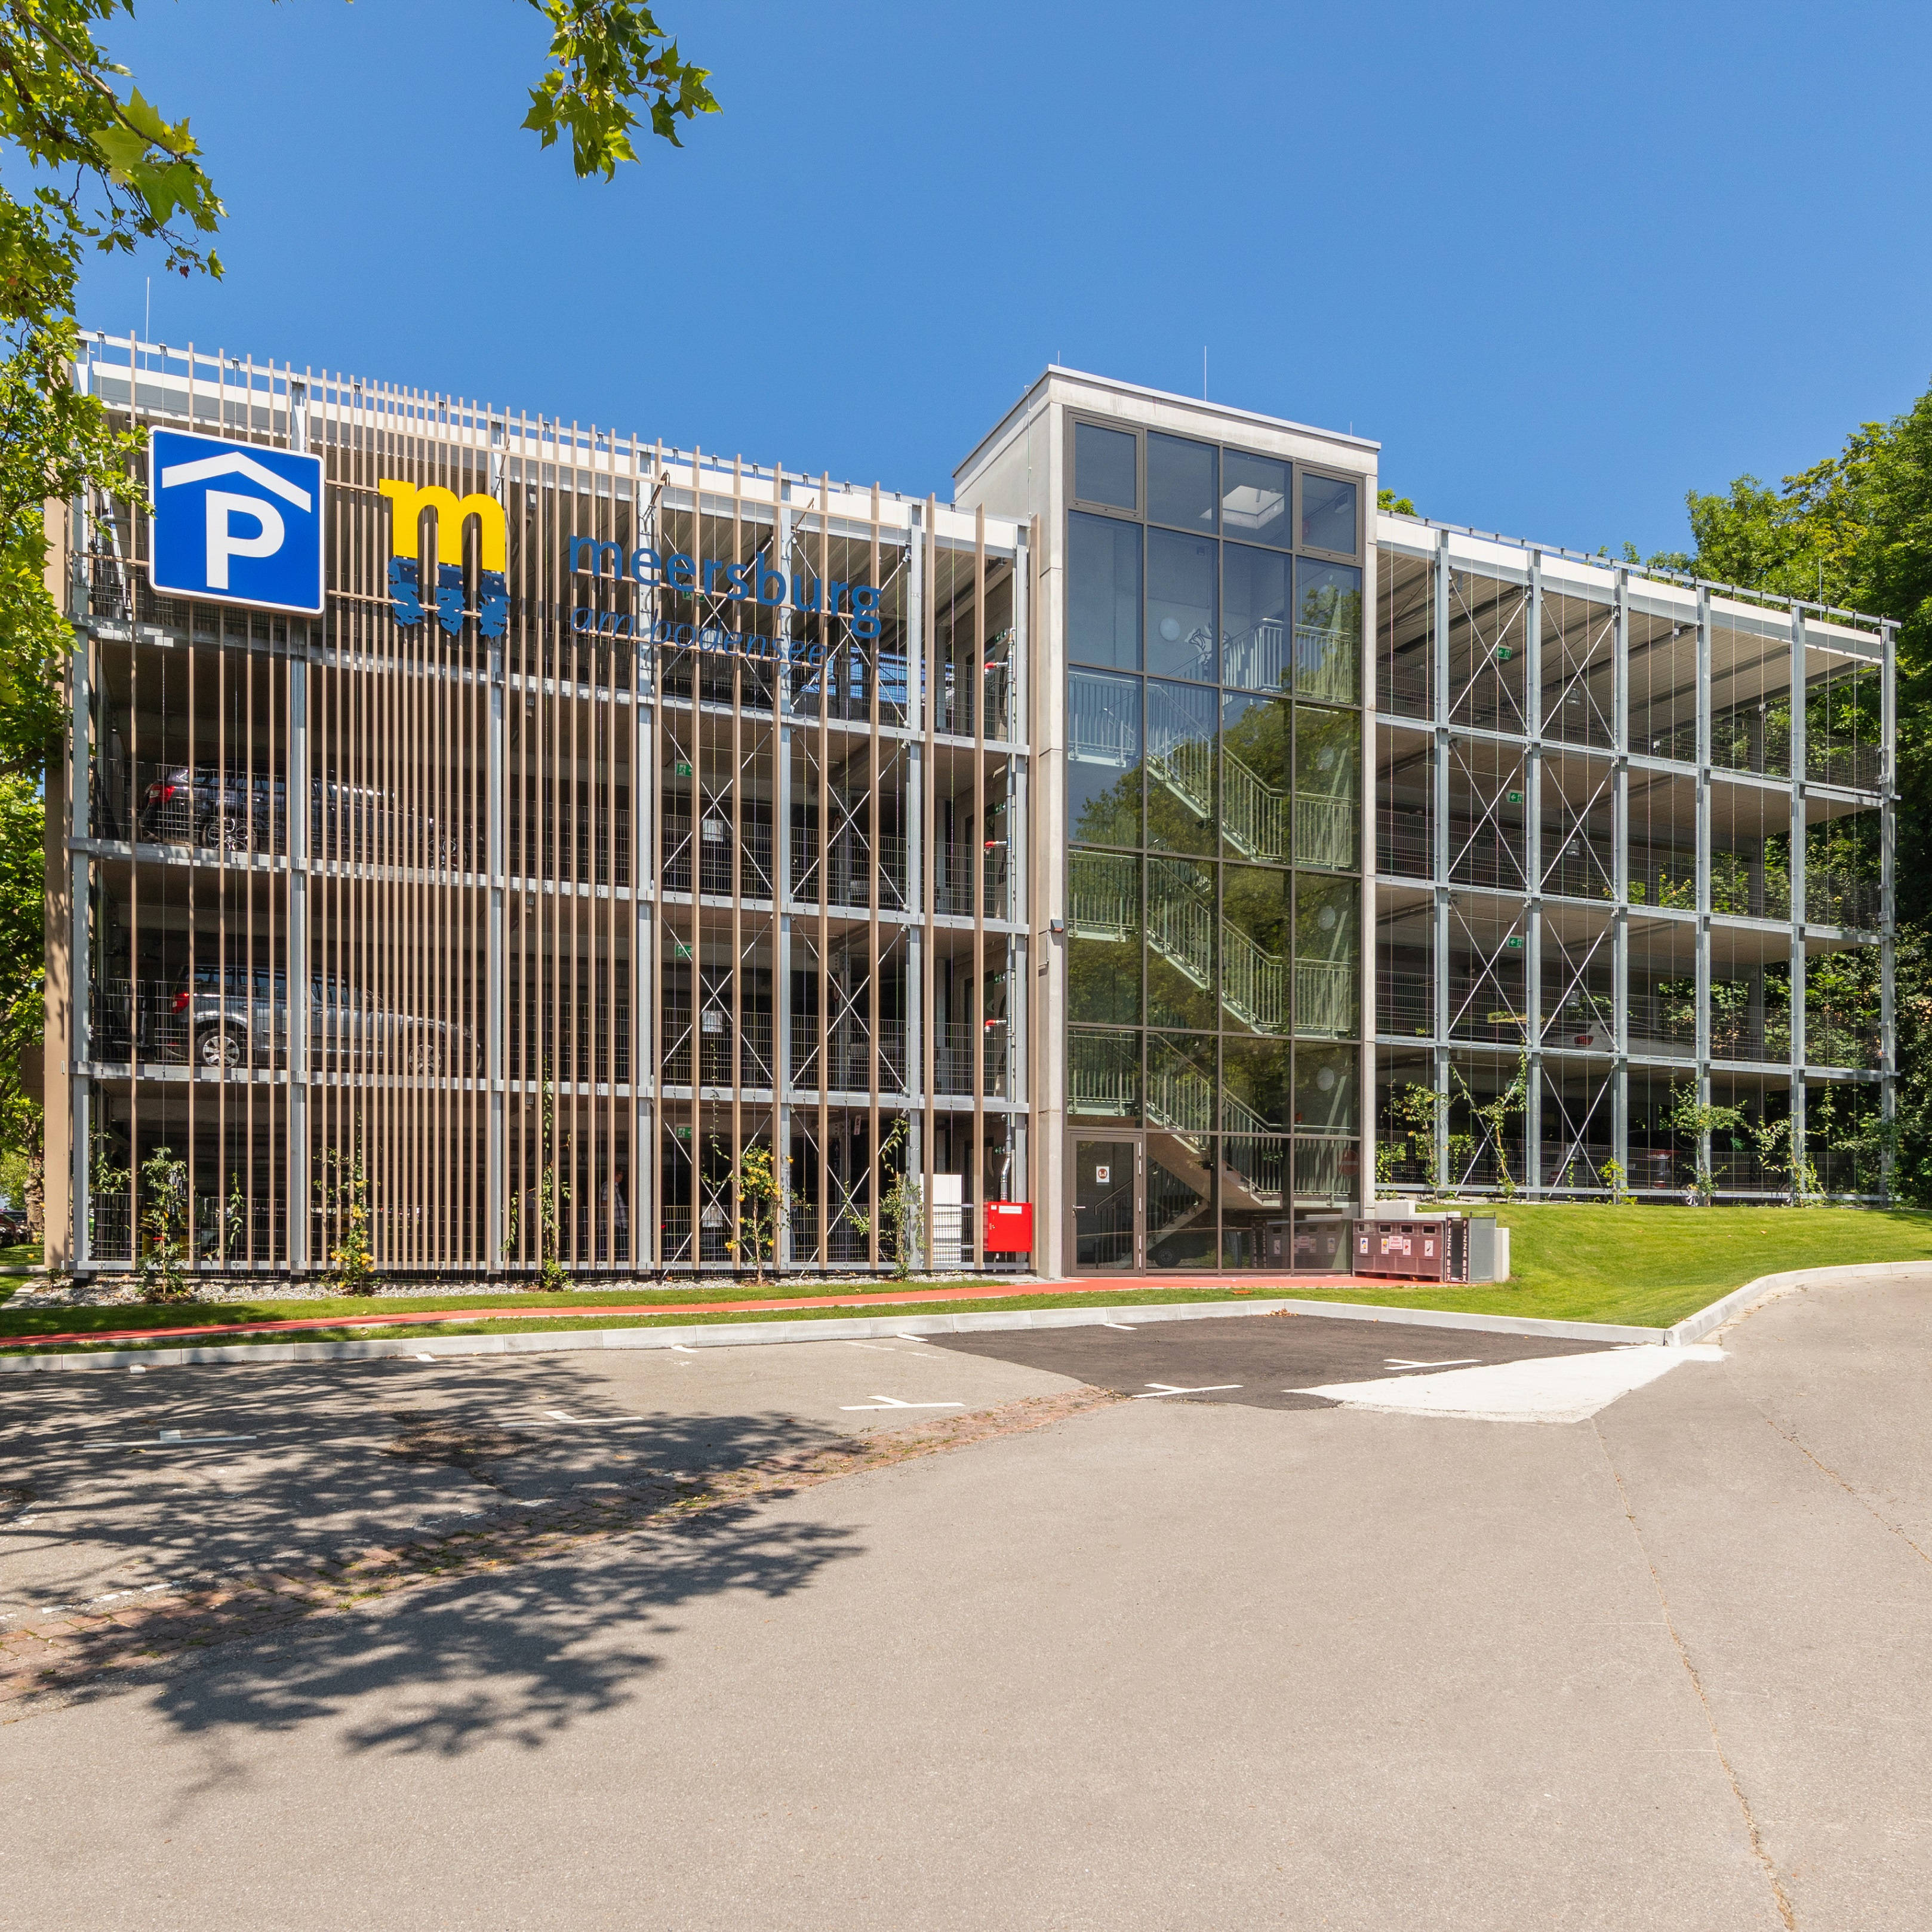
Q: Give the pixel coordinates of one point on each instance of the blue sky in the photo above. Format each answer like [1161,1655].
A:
[1563,262]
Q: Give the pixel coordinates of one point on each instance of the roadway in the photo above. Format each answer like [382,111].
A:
[1286,1635]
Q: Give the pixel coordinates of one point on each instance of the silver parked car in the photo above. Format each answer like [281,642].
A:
[232,1017]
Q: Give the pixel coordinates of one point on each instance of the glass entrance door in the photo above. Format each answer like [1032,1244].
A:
[1106,1204]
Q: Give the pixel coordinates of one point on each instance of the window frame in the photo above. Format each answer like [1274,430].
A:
[1074,501]
[1303,471]
[1288,547]
[1218,450]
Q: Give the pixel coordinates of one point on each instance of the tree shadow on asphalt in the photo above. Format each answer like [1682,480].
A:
[512,1658]
[385,1457]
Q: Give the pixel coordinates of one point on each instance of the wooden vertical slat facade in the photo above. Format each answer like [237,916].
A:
[356,916]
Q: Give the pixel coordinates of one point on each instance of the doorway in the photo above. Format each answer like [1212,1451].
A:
[1107,1209]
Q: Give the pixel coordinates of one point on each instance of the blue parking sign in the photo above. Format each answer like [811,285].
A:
[235,522]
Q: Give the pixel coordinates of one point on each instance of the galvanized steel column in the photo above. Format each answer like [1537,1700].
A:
[781,880]
[1702,1046]
[80,1044]
[1800,760]
[1439,860]
[1620,885]
[1532,874]
[1888,886]
[1365,1005]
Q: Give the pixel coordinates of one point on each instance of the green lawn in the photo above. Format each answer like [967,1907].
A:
[1651,1266]
[1645,1267]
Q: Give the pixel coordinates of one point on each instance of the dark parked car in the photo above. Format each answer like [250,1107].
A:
[227,1017]
[199,805]
[196,805]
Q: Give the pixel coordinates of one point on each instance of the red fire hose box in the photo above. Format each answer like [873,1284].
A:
[1009,1227]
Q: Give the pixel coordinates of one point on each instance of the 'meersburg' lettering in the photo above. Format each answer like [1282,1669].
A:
[742,582]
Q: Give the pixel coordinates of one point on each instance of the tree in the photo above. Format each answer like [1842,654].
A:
[763,1207]
[108,171]
[163,1227]
[99,167]
[1697,1120]
[1856,530]
[902,1207]
[1416,1112]
[1496,1115]
[342,1191]
[22,818]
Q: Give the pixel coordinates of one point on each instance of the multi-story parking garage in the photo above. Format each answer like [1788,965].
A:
[1157,835]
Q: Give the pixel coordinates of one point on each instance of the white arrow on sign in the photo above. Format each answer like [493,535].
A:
[235,463]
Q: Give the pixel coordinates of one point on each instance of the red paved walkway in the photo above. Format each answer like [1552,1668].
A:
[543,1311]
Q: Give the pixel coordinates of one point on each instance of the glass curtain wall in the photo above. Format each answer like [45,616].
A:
[1213,783]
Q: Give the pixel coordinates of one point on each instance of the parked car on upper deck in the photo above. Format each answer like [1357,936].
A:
[231,1016]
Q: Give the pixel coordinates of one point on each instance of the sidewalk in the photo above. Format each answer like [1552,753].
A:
[543,1311]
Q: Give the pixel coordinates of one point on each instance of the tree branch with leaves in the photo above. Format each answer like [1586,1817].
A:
[88,164]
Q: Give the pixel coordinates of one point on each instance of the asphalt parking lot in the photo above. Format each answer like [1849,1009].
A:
[1172,1663]
[1260,1361]
[121,1482]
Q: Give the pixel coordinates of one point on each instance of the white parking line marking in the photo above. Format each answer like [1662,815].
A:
[892,1402]
[874,1346]
[1122,1326]
[901,1335]
[679,1349]
[169,1438]
[425,1358]
[1460,1362]
[1162,1388]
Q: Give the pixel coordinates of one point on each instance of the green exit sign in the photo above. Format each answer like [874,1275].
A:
[1514,942]
[682,768]
[1516,798]
[1504,654]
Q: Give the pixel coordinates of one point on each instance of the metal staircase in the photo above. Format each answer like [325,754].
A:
[1257,987]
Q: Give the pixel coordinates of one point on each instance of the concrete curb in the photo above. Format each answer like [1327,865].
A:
[855,1328]
[1768,1287]
[859,1328]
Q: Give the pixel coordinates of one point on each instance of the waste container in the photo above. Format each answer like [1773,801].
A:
[1441,1247]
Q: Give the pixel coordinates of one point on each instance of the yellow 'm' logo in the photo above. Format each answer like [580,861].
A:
[409,500]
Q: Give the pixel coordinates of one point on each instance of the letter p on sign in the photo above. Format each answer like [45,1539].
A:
[235,522]
[223,540]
